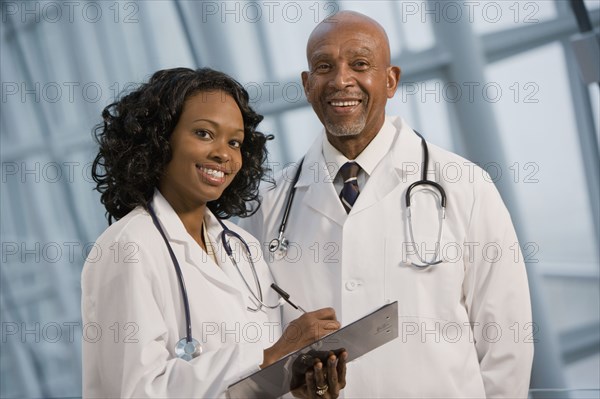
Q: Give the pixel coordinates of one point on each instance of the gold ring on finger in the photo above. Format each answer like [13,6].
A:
[322,389]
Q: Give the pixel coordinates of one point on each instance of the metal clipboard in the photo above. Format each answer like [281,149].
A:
[358,338]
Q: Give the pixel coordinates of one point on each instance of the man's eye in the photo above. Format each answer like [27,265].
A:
[322,67]
[361,64]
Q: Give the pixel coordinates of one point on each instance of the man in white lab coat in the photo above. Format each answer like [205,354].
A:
[464,323]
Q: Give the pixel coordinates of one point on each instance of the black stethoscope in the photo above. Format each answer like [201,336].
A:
[279,246]
[187,347]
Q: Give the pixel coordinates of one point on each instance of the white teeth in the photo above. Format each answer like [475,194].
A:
[344,103]
[214,173]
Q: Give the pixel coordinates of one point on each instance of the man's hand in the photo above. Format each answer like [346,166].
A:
[324,384]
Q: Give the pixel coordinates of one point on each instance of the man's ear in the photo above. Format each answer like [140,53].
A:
[305,83]
[393,78]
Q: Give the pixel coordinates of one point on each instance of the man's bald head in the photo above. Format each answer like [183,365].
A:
[348,21]
[350,79]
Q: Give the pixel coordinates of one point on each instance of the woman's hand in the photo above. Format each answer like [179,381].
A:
[301,332]
[324,384]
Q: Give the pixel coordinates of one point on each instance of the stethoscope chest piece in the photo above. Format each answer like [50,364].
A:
[279,247]
[188,350]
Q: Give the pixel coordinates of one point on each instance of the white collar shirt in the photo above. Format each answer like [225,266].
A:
[367,159]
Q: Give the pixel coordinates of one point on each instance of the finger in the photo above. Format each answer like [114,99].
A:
[332,377]
[320,379]
[323,328]
[311,387]
[319,376]
[329,325]
[324,314]
[341,369]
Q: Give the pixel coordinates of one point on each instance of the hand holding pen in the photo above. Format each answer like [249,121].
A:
[303,331]
[286,297]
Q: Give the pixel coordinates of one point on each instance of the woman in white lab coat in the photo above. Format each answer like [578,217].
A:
[177,155]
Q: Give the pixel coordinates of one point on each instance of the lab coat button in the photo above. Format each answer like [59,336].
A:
[351,285]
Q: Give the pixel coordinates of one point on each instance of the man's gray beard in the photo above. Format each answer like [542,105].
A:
[348,129]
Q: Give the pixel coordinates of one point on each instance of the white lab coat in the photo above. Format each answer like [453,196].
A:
[465,325]
[133,311]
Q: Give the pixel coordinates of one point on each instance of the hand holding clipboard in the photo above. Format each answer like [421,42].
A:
[321,374]
[328,369]
[358,338]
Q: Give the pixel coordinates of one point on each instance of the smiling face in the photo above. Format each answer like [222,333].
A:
[206,151]
[350,78]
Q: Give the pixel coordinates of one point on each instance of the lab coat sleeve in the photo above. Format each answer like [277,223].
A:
[130,358]
[497,296]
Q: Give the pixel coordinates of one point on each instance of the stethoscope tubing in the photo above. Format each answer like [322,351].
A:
[280,243]
[290,200]
[186,304]
[224,234]
[228,232]
[424,181]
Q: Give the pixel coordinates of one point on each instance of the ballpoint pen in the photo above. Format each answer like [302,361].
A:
[286,297]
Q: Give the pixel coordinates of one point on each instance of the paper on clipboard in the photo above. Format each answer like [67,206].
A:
[358,338]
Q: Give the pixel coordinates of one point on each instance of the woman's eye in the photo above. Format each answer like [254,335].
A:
[202,133]
[235,143]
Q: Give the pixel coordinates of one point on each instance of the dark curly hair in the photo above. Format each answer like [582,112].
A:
[134,143]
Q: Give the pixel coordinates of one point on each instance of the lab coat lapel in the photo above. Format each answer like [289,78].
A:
[181,241]
[406,155]
[320,192]
[400,166]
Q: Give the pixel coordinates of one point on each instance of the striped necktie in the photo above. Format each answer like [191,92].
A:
[350,191]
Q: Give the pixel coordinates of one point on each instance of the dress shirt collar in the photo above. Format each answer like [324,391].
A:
[368,158]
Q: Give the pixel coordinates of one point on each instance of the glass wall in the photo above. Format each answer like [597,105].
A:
[493,81]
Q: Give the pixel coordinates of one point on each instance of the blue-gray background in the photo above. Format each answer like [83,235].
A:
[493,81]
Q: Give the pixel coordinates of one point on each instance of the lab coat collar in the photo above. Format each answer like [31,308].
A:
[395,169]
[320,195]
[390,173]
[194,255]
[313,164]
[169,220]
[407,153]
[400,165]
